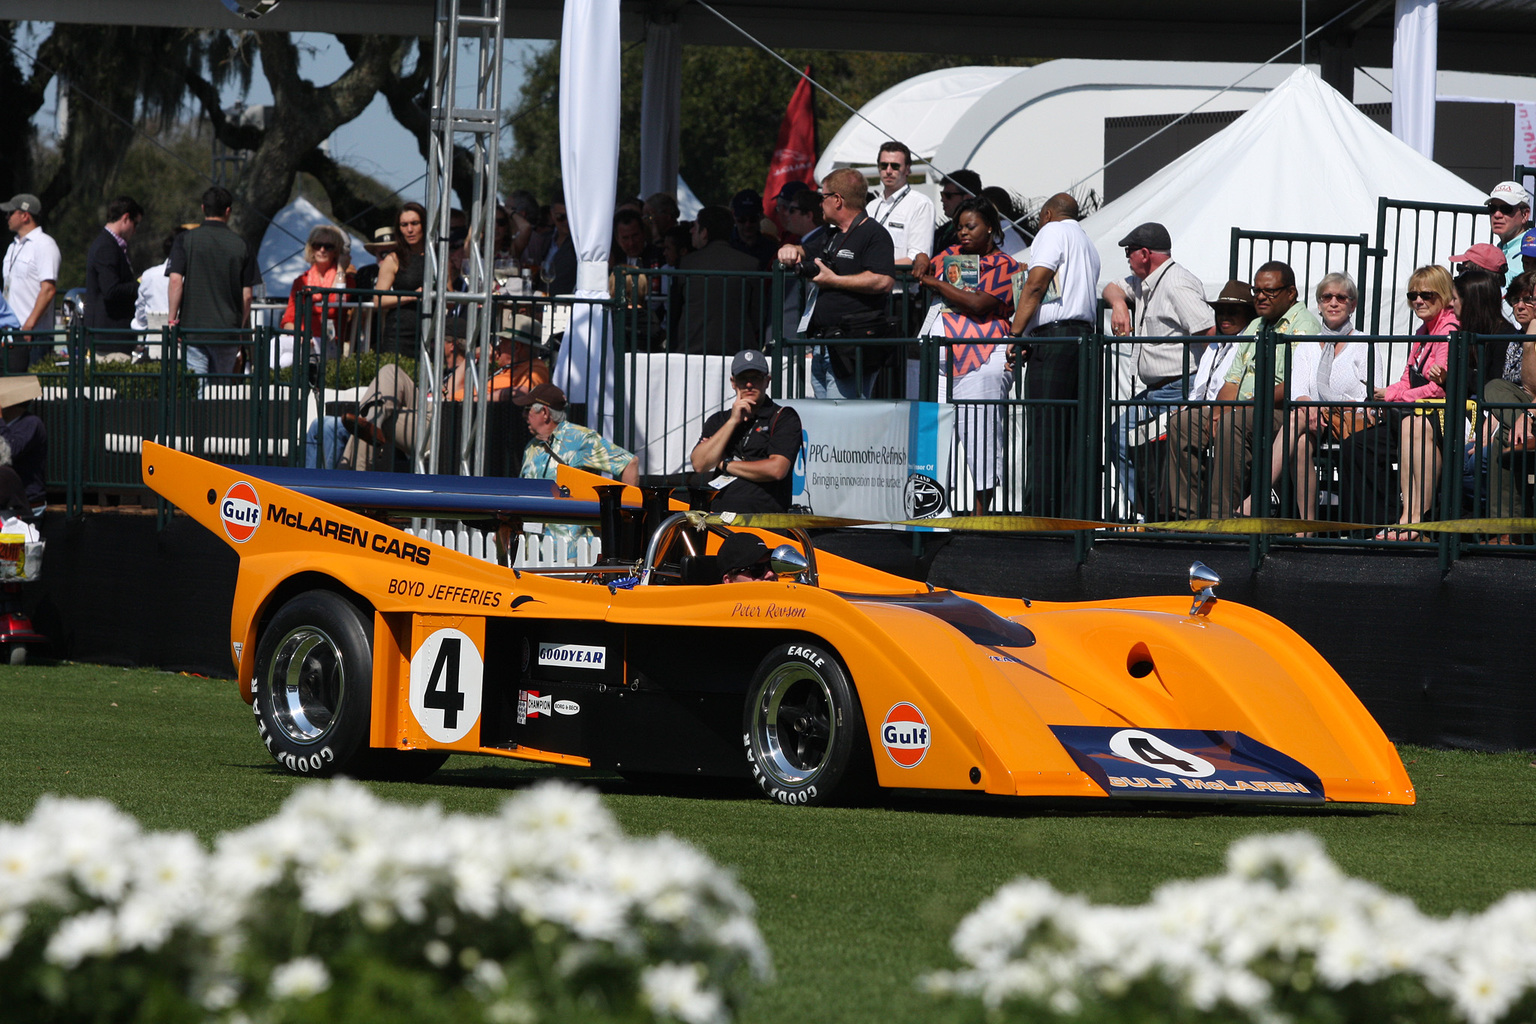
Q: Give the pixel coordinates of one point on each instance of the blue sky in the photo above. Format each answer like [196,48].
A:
[374,143]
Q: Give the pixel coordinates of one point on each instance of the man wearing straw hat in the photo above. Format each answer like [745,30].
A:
[24,431]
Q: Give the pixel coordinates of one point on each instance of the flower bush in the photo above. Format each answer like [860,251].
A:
[1283,935]
[345,908]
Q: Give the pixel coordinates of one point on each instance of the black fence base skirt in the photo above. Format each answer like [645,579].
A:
[1439,658]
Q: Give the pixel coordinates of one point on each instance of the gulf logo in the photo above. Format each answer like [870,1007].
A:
[241,512]
[905,735]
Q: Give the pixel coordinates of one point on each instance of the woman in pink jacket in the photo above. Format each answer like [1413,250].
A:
[1404,442]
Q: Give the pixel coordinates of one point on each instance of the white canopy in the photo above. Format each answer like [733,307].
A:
[919,112]
[1302,160]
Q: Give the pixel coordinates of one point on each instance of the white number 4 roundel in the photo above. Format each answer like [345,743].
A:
[447,676]
[1158,753]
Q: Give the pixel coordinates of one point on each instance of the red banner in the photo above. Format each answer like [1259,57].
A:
[794,158]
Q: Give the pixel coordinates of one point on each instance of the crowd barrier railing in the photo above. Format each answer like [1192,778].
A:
[1076,443]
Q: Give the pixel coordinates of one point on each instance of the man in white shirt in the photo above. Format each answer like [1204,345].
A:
[905,213]
[1060,299]
[908,216]
[1170,303]
[31,274]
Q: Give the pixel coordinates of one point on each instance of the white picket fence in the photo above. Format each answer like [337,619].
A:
[534,550]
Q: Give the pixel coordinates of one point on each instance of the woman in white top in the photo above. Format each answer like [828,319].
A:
[1330,369]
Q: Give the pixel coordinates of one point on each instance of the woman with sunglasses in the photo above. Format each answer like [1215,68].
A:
[978,373]
[403,270]
[1396,436]
[1331,369]
[330,267]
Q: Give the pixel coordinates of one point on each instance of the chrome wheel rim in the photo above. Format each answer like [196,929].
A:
[305,684]
[793,726]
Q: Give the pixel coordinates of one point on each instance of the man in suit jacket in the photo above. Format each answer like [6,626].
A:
[713,315]
[110,285]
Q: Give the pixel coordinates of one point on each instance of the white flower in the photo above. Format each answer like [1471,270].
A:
[81,936]
[676,991]
[489,975]
[437,953]
[12,924]
[299,978]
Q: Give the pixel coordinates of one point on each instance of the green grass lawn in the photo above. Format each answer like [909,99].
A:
[855,903]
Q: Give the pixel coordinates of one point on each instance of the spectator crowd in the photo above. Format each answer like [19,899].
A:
[1186,432]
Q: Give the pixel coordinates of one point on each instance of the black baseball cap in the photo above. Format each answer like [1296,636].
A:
[739,551]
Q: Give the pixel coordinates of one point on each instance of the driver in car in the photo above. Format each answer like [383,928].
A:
[743,558]
[754,443]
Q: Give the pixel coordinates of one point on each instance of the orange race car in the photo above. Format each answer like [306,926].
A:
[367,651]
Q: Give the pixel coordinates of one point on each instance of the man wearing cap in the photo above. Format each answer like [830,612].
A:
[754,443]
[111,289]
[1483,256]
[857,269]
[957,188]
[557,442]
[1170,303]
[743,558]
[747,236]
[31,273]
[1229,428]
[213,275]
[783,206]
[1509,208]
[806,229]
[1060,299]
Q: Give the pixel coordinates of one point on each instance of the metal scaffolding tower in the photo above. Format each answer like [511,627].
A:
[473,120]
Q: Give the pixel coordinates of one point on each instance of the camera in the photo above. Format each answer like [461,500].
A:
[806,269]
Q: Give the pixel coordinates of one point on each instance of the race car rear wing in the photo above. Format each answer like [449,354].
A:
[431,496]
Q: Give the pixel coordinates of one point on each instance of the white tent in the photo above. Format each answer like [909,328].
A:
[1302,160]
[281,256]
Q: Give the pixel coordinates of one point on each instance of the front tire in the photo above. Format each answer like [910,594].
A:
[804,730]
[314,693]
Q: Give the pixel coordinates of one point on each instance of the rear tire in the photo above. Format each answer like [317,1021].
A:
[804,729]
[313,688]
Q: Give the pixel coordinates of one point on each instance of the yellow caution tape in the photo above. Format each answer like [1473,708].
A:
[1246,527]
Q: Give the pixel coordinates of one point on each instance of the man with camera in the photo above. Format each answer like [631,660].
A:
[852,266]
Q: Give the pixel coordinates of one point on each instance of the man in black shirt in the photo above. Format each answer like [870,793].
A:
[754,442]
[857,271]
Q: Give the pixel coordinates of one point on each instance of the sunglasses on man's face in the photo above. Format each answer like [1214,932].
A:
[886,165]
[952,195]
[753,572]
[1503,208]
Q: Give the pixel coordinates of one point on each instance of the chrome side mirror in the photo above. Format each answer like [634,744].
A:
[787,561]
[1203,582]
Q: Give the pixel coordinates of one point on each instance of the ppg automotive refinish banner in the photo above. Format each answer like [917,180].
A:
[874,460]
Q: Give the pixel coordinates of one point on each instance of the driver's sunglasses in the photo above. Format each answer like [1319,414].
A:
[753,572]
